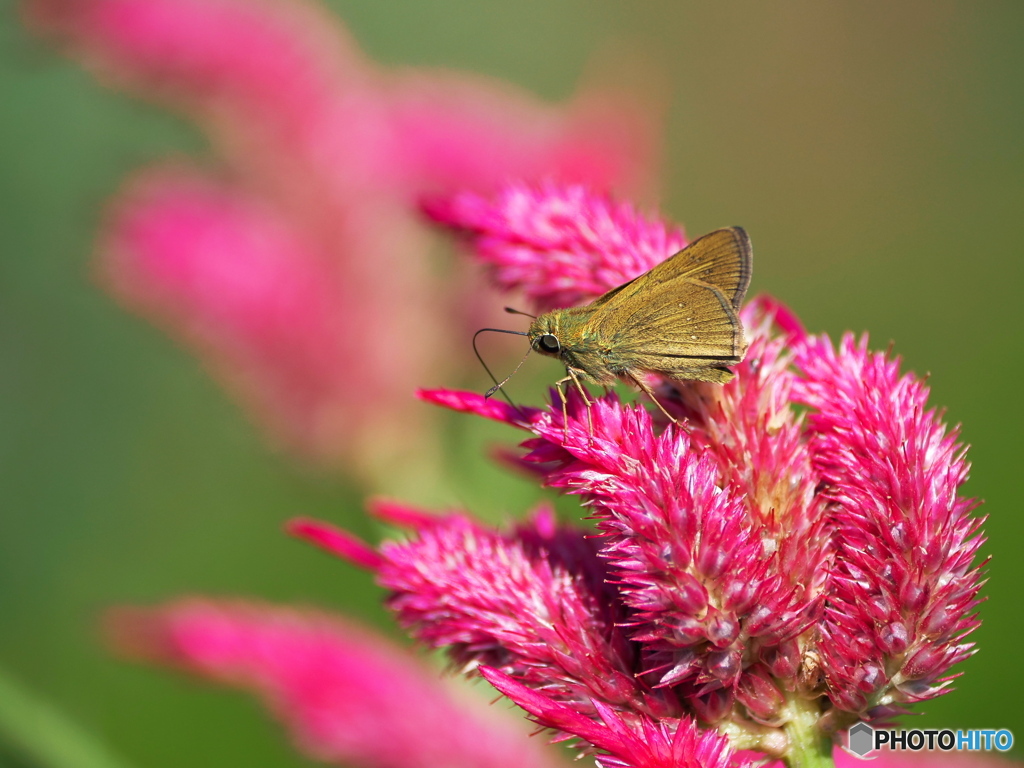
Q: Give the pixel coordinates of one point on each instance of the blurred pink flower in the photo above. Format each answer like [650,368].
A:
[345,694]
[299,272]
[756,569]
[255,296]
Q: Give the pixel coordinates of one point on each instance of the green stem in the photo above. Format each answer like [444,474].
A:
[808,746]
[44,735]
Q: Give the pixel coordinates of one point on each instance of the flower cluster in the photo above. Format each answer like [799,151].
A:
[789,559]
[296,268]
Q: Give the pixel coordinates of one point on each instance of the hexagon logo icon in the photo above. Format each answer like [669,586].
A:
[861,739]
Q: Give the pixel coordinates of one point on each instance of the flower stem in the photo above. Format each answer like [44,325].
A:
[44,735]
[809,747]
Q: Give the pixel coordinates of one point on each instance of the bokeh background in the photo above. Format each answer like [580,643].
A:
[872,150]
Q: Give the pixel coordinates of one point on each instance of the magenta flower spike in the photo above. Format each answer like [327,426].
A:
[346,695]
[790,559]
[905,588]
[297,270]
[560,245]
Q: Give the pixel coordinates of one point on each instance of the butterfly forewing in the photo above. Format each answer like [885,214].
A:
[722,258]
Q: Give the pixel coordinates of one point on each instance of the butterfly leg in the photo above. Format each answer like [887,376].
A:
[650,393]
[586,399]
[565,409]
[572,377]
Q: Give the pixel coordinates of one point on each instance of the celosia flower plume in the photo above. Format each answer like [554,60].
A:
[345,694]
[560,245]
[905,590]
[298,270]
[791,558]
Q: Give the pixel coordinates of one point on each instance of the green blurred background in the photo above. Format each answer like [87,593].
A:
[872,150]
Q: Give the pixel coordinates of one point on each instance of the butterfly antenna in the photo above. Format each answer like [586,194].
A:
[514,311]
[498,385]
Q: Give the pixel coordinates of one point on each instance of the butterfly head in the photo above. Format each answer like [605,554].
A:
[543,335]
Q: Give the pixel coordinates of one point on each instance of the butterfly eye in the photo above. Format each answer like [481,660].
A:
[549,343]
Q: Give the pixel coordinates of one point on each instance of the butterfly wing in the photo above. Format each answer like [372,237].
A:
[604,298]
[722,258]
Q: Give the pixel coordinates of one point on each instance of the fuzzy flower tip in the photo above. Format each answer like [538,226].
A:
[308,228]
[795,551]
[346,695]
[562,245]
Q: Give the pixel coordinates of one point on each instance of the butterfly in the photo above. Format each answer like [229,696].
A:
[679,321]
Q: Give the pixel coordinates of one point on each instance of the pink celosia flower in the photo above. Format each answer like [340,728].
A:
[300,275]
[259,299]
[757,569]
[561,245]
[905,588]
[345,694]
[533,606]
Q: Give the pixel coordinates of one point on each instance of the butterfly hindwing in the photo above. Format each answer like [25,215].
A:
[678,323]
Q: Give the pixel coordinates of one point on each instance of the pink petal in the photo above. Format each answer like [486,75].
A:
[339,543]
[473,402]
[629,743]
[532,602]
